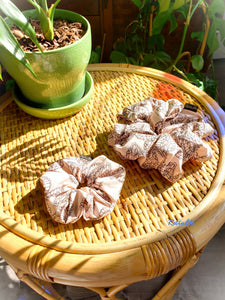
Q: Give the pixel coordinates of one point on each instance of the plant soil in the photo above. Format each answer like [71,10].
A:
[65,33]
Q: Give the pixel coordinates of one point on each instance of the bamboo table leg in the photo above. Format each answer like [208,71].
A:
[168,290]
[46,290]
[110,294]
[43,288]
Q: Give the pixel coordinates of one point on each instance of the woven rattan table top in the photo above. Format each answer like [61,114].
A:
[29,145]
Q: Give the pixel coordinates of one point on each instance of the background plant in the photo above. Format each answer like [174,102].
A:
[144,41]
[7,39]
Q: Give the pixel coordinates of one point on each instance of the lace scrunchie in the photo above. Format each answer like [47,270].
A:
[100,181]
[161,135]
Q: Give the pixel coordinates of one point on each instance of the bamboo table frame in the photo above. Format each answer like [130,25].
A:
[43,260]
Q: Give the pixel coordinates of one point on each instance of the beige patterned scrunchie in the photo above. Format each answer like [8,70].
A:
[75,187]
[161,135]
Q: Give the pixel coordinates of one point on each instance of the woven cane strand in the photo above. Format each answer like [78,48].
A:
[29,145]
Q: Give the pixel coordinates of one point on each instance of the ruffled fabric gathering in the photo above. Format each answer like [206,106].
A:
[75,187]
[161,135]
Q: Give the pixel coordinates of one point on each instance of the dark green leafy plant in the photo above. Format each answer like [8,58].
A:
[7,39]
[205,83]
[96,55]
[144,41]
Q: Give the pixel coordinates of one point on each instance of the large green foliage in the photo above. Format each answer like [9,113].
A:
[144,41]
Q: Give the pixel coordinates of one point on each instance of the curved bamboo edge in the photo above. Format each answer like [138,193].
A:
[75,269]
[79,248]
[210,223]
[46,290]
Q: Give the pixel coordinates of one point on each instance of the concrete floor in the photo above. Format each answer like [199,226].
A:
[205,281]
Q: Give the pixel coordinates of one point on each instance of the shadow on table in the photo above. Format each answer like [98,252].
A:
[35,151]
[138,183]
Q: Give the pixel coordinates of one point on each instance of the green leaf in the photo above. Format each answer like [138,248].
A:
[95,58]
[136,38]
[43,4]
[16,16]
[122,46]
[95,55]
[132,61]
[183,10]
[156,42]
[178,3]
[10,43]
[217,24]
[1,73]
[212,40]
[195,79]
[163,5]
[148,59]
[197,62]
[163,56]
[118,57]
[217,7]
[157,65]
[220,26]
[199,36]
[138,3]
[98,50]
[161,19]
[51,10]
[173,23]
[46,24]
[210,87]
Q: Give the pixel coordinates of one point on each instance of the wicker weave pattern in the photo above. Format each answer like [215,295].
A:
[30,145]
[161,257]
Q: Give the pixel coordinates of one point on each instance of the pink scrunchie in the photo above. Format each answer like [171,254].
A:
[161,135]
[101,180]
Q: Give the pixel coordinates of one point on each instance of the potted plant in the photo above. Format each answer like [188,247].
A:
[51,81]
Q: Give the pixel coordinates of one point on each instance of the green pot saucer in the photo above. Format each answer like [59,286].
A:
[57,112]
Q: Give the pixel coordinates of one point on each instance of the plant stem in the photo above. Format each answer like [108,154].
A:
[150,24]
[182,73]
[187,53]
[202,49]
[152,8]
[43,4]
[186,24]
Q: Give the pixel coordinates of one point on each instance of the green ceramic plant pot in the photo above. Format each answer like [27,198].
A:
[60,73]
